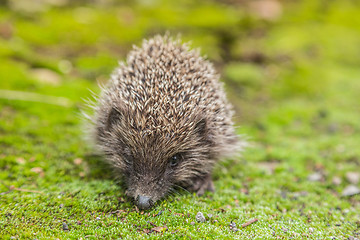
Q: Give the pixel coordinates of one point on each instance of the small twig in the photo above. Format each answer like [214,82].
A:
[27,190]
[152,224]
[249,222]
[12,188]
[3,193]
[35,97]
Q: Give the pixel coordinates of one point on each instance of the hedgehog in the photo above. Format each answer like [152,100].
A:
[163,120]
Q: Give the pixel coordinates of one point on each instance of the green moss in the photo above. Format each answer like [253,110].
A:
[294,85]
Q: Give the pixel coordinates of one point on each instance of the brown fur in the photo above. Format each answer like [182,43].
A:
[165,101]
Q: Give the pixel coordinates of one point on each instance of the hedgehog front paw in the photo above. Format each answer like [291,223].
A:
[201,185]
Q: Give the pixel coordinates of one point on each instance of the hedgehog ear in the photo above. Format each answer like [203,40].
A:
[114,116]
[201,127]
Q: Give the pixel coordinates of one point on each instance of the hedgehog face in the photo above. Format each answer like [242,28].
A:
[148,183]
[152,163]
[151,173]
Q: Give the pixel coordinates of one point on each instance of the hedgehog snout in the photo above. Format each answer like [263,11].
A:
[143,202]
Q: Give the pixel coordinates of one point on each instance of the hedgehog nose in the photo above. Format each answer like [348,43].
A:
[143,202]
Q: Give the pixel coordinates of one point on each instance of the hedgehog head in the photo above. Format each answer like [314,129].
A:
[154,160]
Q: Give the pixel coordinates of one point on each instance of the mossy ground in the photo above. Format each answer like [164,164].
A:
[293,76]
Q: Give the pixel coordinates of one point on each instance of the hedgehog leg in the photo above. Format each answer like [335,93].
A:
[201,185]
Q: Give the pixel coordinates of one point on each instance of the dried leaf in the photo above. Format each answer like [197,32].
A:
[268,167]
[46,76]
[266,9]
[20,160]
[159,229]
[77,161]
[250,222]
[38,170]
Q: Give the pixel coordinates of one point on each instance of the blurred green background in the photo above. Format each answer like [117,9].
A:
[291,69]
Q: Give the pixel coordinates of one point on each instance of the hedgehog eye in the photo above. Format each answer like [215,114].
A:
[174,160]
